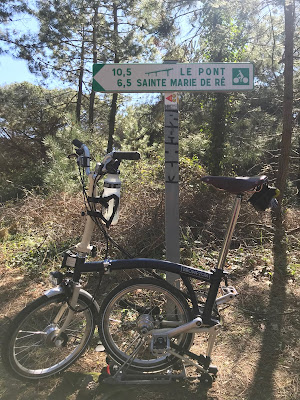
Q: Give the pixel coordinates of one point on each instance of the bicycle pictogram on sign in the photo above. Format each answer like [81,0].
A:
[240,76]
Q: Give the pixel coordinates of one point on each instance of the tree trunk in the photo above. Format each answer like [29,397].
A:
[80,80]
[216,148]
[217,140]
[298,176]
[92,95]
[280,248]
[112,122]
[113,107]
[285,148]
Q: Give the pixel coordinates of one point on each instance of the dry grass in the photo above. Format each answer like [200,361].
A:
[257,350]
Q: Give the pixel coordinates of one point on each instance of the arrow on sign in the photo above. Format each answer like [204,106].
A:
[170,98]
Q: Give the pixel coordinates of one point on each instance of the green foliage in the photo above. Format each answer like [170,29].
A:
[293,270]
[21,178]
[148,172]
[31,253]
[62,174]
[224,41]
[9,8]
[230,134]
[28,114]
[36,132]
[141,128]
[224,36]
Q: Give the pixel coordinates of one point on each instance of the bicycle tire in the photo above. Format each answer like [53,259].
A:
[118,325]
[29,350]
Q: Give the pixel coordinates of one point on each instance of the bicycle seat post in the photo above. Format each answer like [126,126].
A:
[229,233]
[218,272]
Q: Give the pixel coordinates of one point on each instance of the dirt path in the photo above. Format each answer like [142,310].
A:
[257,350]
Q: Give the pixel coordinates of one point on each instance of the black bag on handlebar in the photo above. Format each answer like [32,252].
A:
[262,199]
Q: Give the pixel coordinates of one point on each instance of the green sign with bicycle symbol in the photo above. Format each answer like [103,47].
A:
[240,76]
[165,77]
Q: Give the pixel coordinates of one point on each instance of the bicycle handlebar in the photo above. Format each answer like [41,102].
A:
[83,157]
[126,155]
[77,143]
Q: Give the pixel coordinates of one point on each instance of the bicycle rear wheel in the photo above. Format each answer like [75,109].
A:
[134,308]
[31,348]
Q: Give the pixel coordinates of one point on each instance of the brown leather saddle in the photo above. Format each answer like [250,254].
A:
[236,185]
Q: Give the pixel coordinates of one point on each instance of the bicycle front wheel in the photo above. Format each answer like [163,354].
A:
[132,310]
[33,350]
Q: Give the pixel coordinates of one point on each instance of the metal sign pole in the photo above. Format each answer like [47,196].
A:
[172,233]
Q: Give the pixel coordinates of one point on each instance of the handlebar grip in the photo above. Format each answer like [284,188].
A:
[77,143]
[126,155]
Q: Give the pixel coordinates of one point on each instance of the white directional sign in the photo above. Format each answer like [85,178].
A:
[172,77]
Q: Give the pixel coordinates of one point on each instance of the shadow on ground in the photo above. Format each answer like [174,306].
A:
[272,342]
[79,386]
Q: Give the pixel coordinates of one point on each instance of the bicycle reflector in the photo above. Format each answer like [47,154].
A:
[264,198]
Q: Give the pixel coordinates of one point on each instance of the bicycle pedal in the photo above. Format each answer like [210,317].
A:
[229,293]
[229,290]
[160,344]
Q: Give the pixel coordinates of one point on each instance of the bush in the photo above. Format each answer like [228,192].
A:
[35,230]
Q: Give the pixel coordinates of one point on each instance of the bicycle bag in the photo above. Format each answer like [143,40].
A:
[264,198]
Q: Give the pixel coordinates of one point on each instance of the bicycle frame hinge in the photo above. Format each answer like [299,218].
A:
[106,266]
[71,259]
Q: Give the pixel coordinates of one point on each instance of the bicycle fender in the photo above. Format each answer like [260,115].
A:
[59,290]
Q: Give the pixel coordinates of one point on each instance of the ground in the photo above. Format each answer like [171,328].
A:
[257,350]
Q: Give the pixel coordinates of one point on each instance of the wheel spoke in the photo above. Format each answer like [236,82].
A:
[34,351]
[134,308]
[31,333]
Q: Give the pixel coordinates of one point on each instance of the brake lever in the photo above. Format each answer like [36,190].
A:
[107,159]
[73,155]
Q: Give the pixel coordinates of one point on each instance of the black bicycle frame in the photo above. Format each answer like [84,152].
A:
[185,272]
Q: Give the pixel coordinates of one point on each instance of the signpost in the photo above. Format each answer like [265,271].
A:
[172,182]
[161,78]
[165,78]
